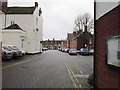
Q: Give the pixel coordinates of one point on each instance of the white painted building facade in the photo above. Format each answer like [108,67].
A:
[15,37]
[31,21]
[1,15]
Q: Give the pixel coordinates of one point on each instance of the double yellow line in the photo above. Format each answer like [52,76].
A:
[72,76]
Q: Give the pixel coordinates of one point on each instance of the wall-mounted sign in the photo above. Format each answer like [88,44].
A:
[113,51]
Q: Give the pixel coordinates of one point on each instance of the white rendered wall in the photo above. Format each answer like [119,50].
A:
[27,22]
[13,37]
[2,24]
[0,27]
[38,25]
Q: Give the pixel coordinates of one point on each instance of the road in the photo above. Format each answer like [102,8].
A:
[51,69]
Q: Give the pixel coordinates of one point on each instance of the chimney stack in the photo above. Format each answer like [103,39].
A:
[4,5]
[36,4]
[74,33]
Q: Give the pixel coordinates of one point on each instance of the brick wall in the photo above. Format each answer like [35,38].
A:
[65,44]
[80,43]
[107,25]
[73,44]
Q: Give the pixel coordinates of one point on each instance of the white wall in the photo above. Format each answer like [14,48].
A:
[2,23]
[40,31]
[13,37]
[38,25]
[104,7]
[0,27]
[28,23]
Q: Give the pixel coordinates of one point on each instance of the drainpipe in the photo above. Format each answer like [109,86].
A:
[5,20]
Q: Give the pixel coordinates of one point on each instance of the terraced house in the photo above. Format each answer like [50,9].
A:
[25,26]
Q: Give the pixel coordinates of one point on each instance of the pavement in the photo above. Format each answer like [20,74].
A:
[51,69]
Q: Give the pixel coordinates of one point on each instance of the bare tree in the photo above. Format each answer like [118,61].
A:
[84,26]
[84,22]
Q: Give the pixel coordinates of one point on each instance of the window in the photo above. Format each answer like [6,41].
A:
[113,51]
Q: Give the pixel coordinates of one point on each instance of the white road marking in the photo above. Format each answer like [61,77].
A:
[80,72]
[81,76]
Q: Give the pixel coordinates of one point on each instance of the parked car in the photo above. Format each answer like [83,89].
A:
[15,50]
[6,53]
[63,49]
[44,49]
[23,52]
[73,51]
[59,49]
[91,51]
[84,51]
[66,50]
[78,51]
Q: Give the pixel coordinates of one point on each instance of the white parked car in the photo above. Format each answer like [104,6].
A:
[15,50]
[73,51]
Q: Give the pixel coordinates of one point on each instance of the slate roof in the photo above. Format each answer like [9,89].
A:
[70,36]
[13,26]
[20,10]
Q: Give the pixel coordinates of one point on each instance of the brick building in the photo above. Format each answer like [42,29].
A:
[53,44]
[107,24]
[78,40]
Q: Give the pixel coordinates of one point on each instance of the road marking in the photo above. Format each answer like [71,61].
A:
[77,82]
[17,63]
[81,76]
[80,72]
[72,76]
[78,69]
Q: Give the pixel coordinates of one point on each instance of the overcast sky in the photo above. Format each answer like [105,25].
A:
[58,15]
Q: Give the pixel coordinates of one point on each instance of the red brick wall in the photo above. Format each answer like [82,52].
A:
[107,25]
[73,44]
[80,43]
[65,44]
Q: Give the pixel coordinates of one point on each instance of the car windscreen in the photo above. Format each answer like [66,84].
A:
[13,47]
[85,50]
[6,49]
[73,50]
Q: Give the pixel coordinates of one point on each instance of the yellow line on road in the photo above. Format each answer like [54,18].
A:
[71,76]
[77,82]
[16,63]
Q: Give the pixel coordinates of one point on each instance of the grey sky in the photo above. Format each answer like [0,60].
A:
[59,15]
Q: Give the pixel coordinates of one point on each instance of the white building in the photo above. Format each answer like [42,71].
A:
[14,35]
[1,15]
[30,20]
